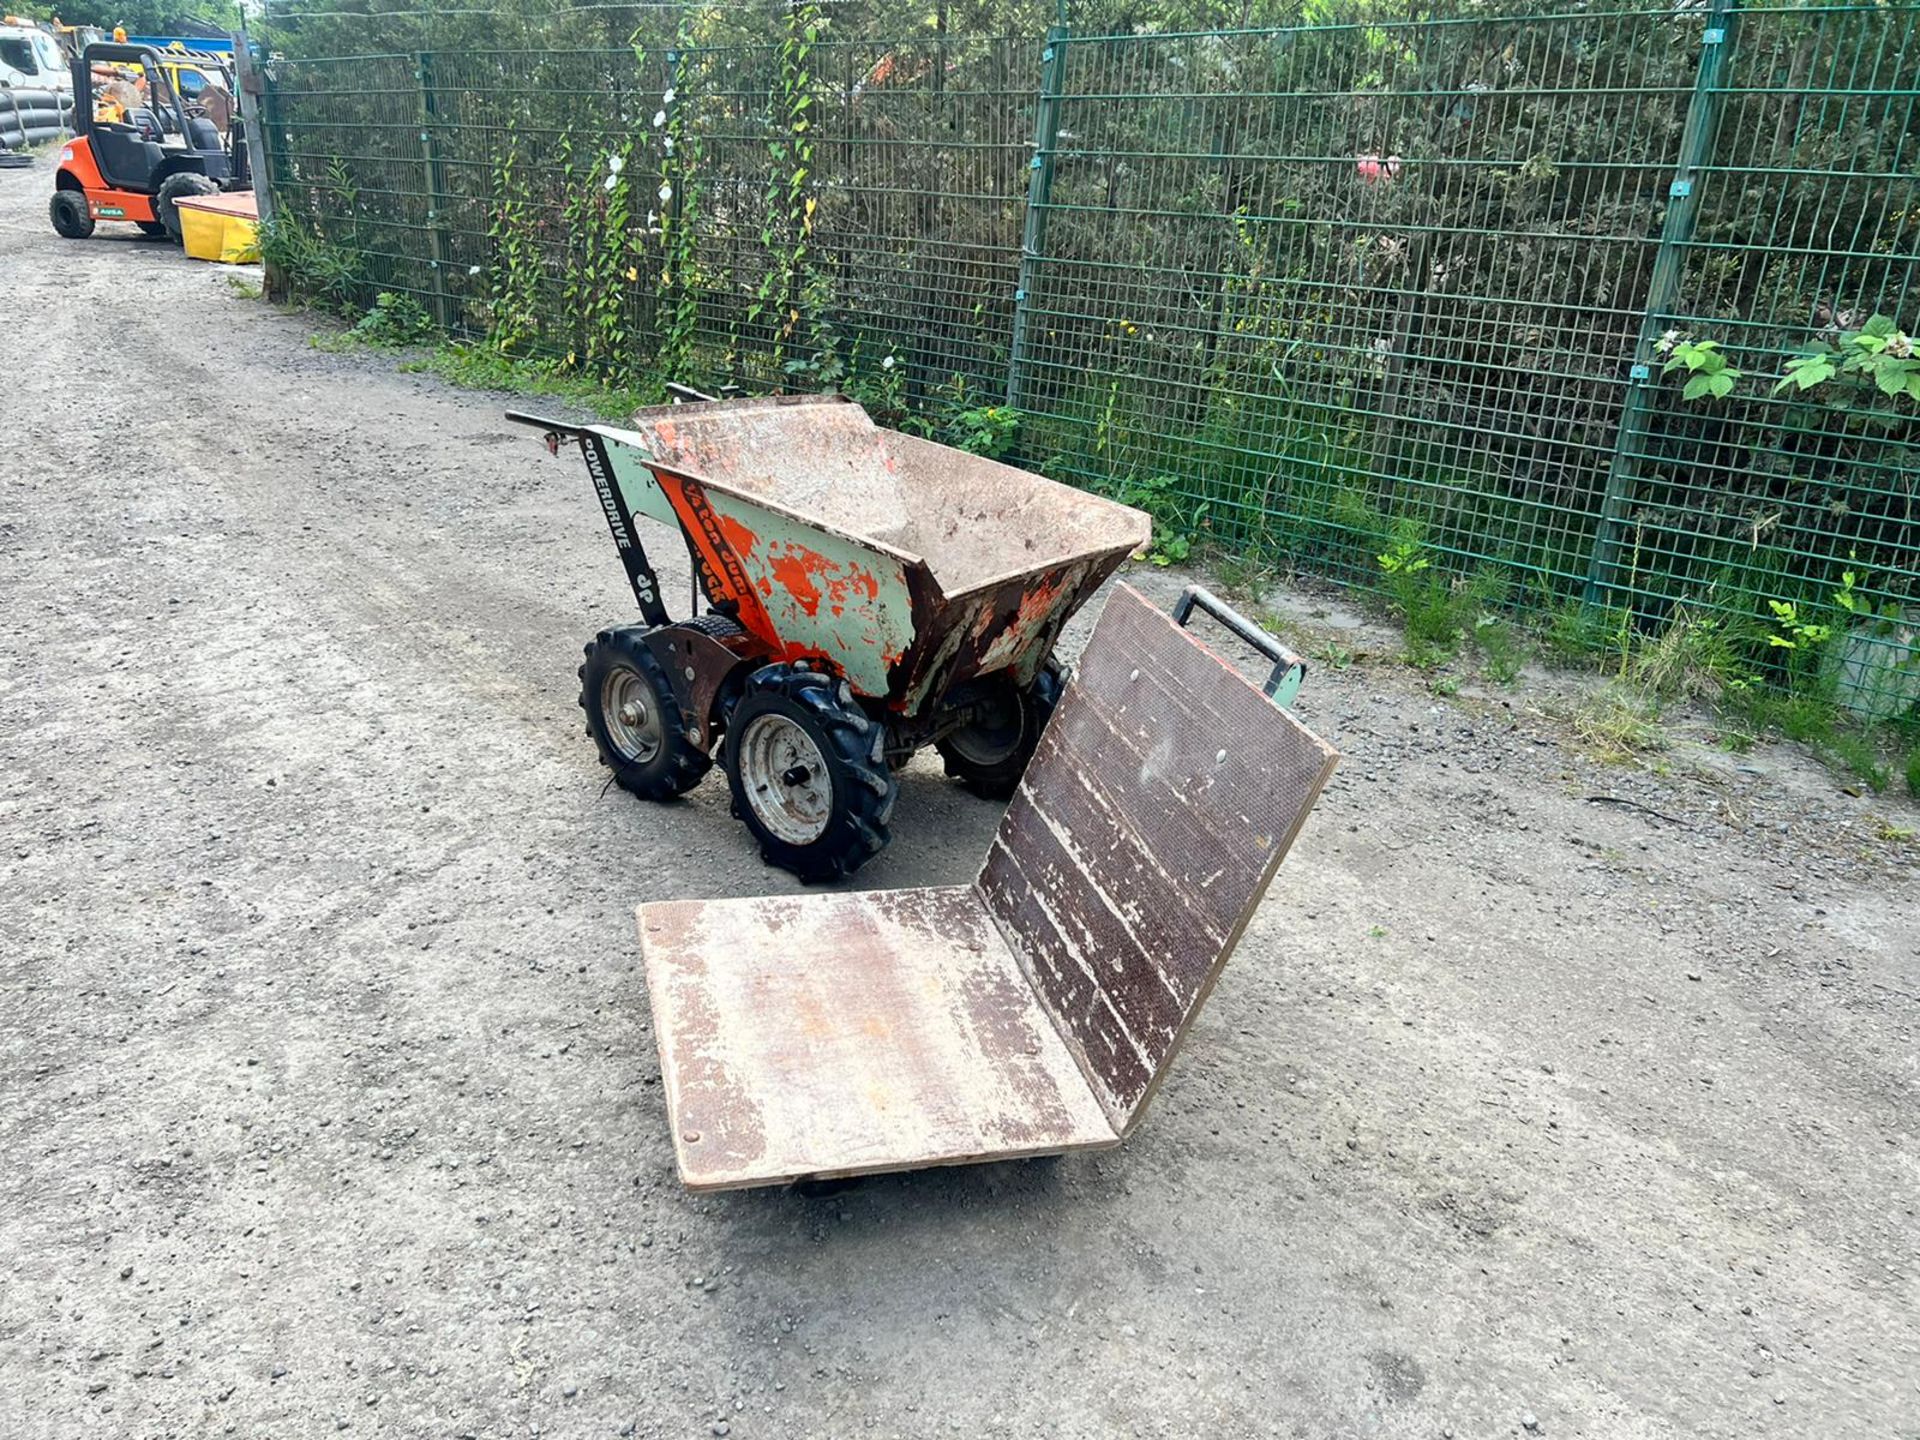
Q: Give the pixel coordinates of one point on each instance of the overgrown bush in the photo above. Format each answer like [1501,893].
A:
[394,320]
[311,268]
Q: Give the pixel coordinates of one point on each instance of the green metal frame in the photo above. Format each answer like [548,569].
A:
[1033,235]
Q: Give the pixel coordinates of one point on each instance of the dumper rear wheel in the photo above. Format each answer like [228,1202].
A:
[806,770]
[634,719]
[990,755]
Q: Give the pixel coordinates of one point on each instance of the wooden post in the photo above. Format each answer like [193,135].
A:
[253,87]
[252,83]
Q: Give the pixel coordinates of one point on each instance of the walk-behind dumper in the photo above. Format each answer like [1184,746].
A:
[867,593]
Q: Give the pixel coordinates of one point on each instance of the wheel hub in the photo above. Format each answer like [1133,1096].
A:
[994,734]
[786,779]
[633,724]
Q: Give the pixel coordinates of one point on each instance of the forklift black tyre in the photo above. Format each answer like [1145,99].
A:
[170,192]
[634,719]
[807,772]
[153,228]
[989,757]
[71,218]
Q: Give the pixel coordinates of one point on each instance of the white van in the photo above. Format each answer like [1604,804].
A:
[30,59]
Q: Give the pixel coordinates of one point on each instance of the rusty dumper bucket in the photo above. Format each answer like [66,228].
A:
[922,585]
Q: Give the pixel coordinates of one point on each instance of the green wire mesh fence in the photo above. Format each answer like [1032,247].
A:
[1507,300]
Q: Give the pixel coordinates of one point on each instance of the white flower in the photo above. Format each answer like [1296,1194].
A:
[666,193]
[616,163]
[659,118]
[473,270]
[652,218]
[887,364]
[667,99]
[667,140]
[612,180]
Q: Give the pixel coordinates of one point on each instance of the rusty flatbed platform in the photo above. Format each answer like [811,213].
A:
[1032,1012]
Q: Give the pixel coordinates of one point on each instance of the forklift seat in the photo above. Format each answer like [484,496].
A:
[127,158]
[1033,1012]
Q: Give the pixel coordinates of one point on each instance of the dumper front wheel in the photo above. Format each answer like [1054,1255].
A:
[804,763]
[990,755]
[634,719]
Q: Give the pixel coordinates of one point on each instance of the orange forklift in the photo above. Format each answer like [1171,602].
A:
[133,162]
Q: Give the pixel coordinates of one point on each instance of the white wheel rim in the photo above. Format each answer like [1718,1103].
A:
[785,779]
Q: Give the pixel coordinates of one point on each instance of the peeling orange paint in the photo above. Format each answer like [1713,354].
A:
[737,535]
[1037,606]
[795,571]
[714,540]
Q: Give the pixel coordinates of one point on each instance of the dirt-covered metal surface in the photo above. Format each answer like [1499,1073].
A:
[1033,1011]
[327,1094]
[973,520]
[909,566]
[823,1035]
[1157,809]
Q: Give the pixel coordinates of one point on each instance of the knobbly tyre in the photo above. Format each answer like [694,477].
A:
[866,592]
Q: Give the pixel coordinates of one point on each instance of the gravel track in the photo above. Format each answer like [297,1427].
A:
[329,1104]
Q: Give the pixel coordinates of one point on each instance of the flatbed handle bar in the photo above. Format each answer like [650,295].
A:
[1289,670]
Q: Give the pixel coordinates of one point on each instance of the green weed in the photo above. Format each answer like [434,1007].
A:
[1503,647]
[324,274]
[1174,515]
[987,430]
[1857,753]
[476,367]
[393,320]
[1618,724]
[1694,657]
[1441,613]
[1735,740]
[1334,655]
[1577,633]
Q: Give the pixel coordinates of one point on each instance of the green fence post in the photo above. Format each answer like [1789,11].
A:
[437,257]
[676,202]
[1676,233]
[1033,234]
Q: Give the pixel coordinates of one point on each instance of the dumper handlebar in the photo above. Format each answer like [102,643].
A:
[1289,670]
[541,422]
[675,391]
